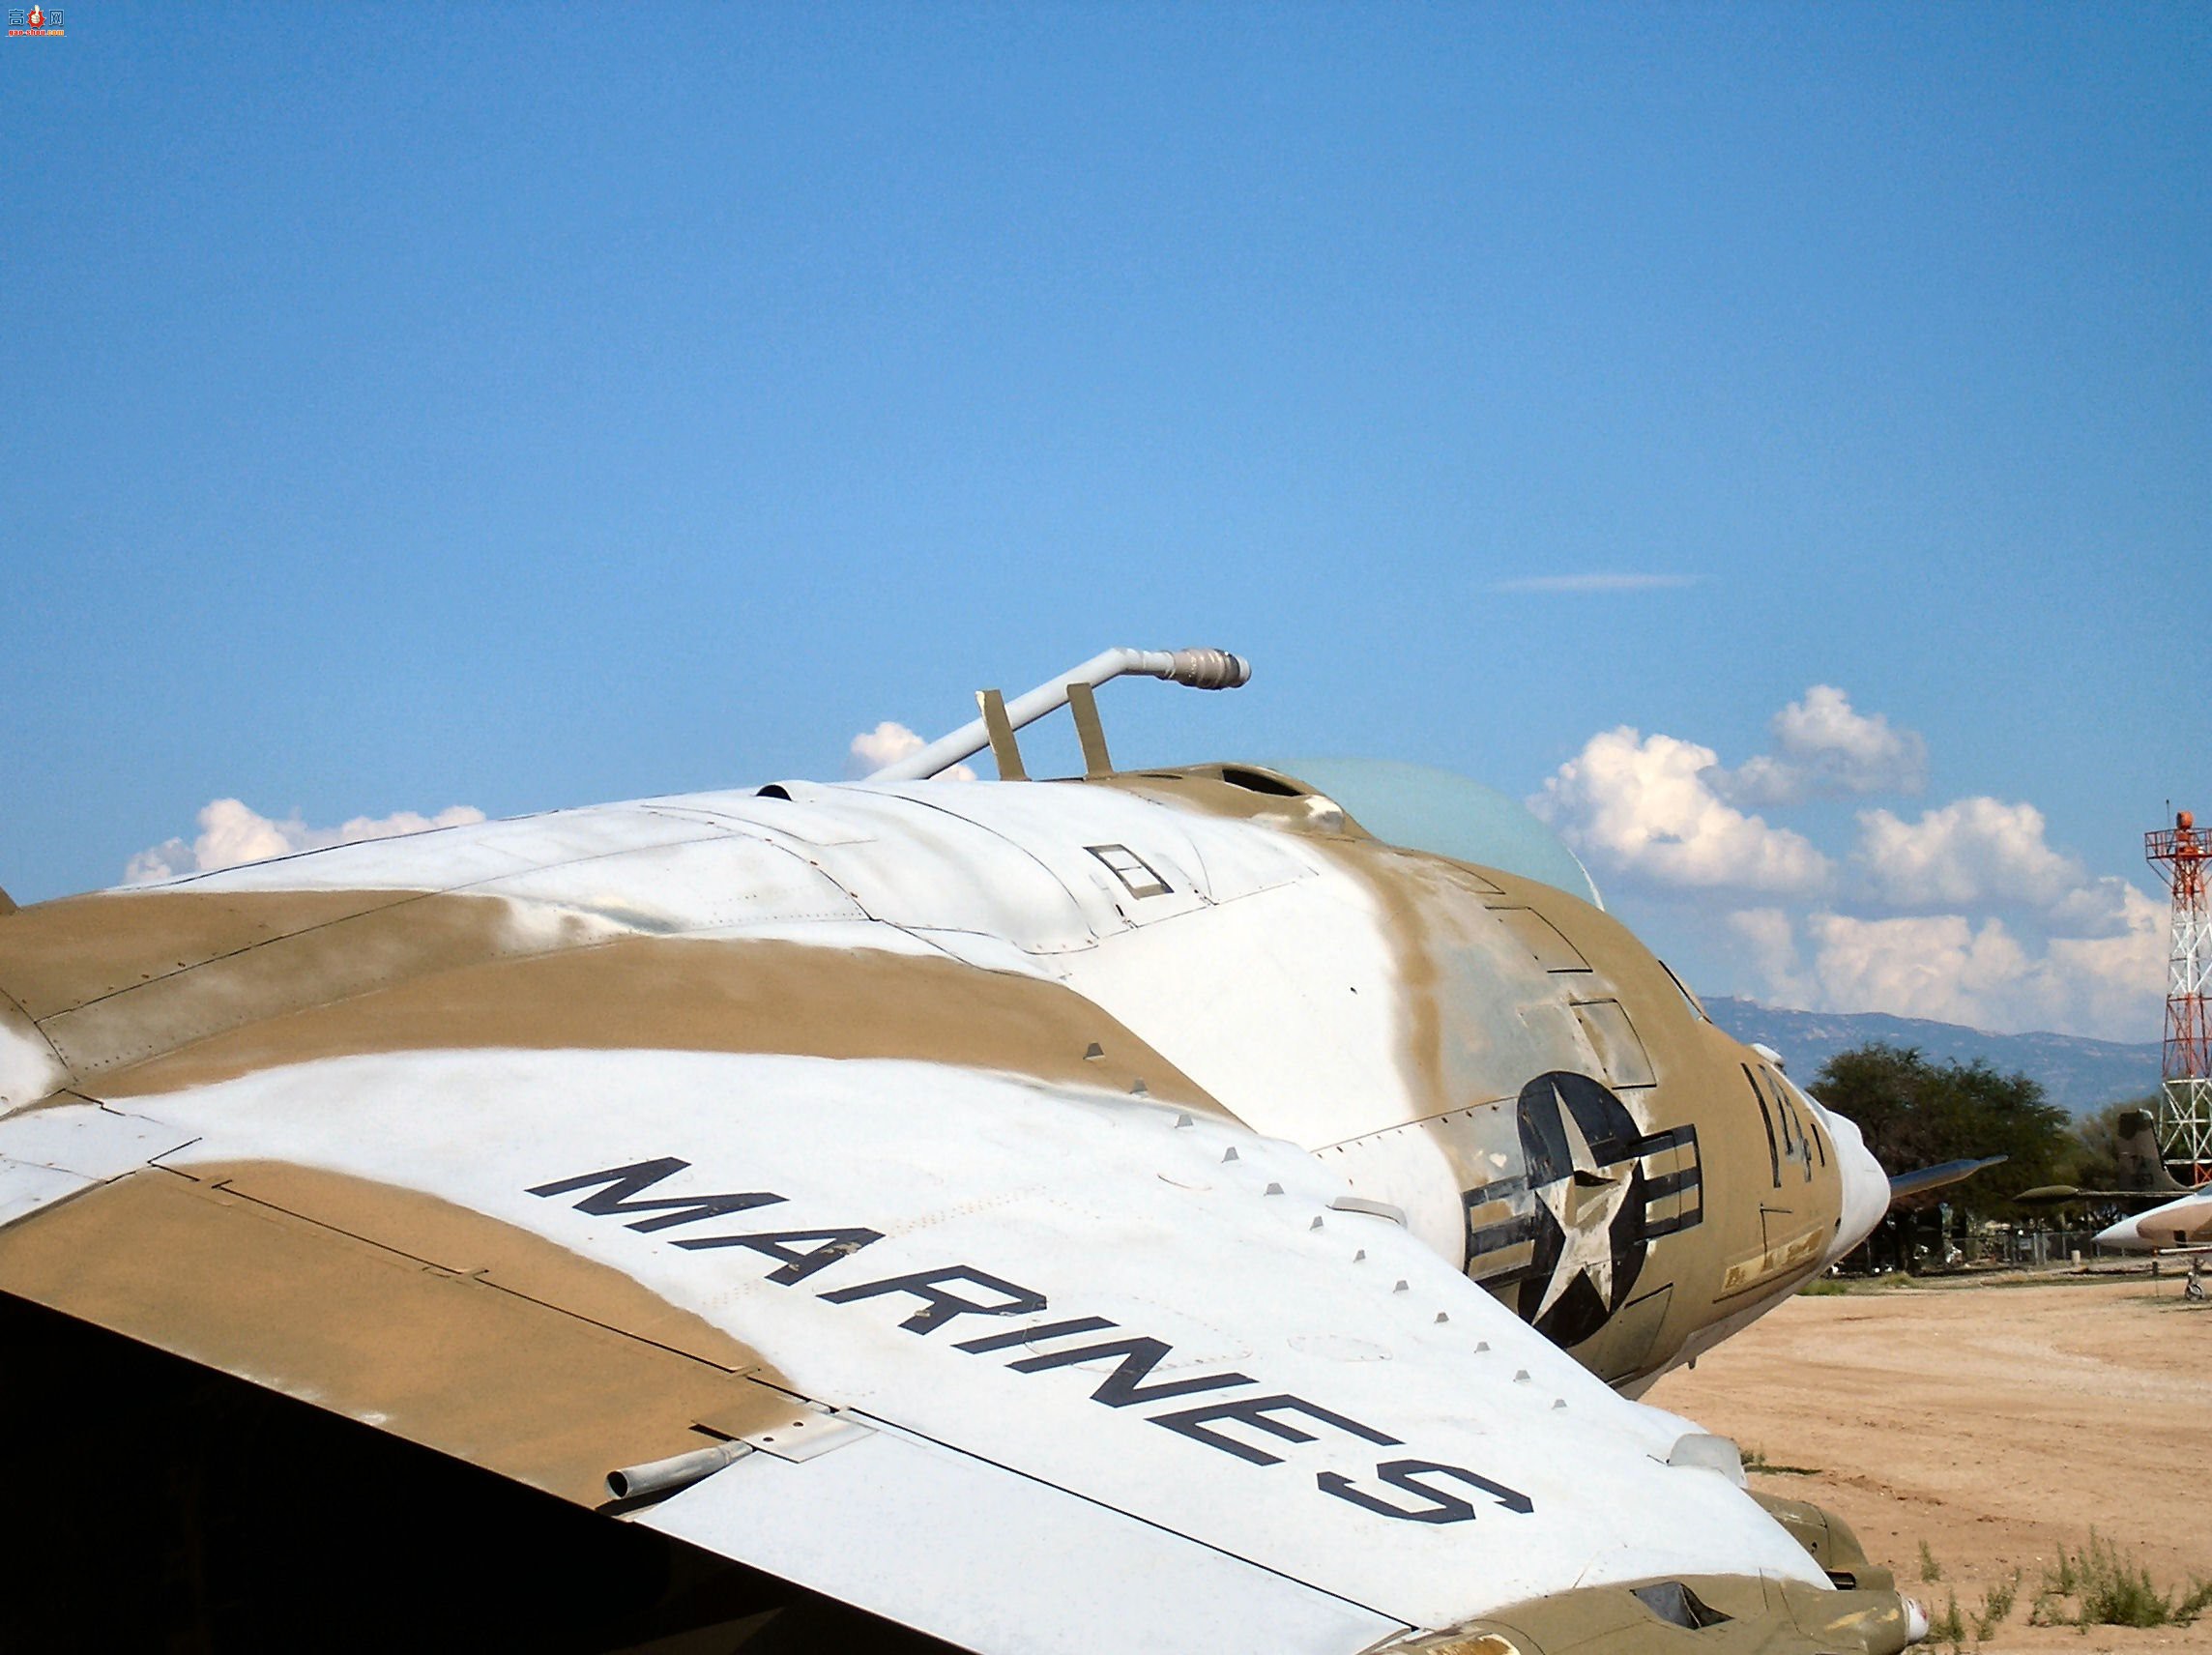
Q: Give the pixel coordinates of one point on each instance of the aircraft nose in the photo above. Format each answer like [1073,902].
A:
[1865,1185]
[2124,1235]
[1915,1621]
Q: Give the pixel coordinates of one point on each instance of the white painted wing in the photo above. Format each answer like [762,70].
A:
[1337,1435]
[987,1558]
[50,1154]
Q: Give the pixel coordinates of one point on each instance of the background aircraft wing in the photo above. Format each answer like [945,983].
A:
[1028,1366]
[1921,1179]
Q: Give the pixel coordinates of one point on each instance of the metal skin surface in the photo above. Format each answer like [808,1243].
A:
[2186,1221]
[462,1135]
[1672,1181]
[1725,1615]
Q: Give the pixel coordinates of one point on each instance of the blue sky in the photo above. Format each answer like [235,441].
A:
[513,407]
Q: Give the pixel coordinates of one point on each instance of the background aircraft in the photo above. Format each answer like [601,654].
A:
[2144,1177]
[2183,1222]
[1215,1207]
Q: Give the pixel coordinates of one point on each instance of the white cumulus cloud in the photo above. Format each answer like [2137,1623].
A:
[1643,804]
[231,833]
[888,744]
[1941,965]
[1950,968]
[2118,981]
[1768,938]
[1823,746]
[1965,912]
[1970,851]
[1958,967]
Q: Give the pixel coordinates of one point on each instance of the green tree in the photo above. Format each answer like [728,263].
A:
[1917,1114]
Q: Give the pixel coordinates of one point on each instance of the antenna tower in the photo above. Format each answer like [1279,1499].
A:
[2182,855]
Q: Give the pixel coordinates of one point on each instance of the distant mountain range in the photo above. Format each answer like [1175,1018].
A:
[2079,1076]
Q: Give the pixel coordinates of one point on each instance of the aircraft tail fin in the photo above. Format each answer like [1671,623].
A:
[2141,1166]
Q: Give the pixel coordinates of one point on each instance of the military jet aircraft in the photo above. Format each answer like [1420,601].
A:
[1221,1207]
[2144,1177]
[2184,1223]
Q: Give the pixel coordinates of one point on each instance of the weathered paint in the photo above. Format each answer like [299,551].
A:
[1731,1614]
[30,1068]
[692,994]
[1475,1013]
[533,1362]
[1048,1207]
[1126,1045]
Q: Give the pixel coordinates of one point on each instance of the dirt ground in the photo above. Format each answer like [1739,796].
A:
[1993,1421]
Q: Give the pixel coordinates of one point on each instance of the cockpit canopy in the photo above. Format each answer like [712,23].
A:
[1428,809]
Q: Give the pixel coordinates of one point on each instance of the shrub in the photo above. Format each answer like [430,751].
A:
[2110,1590]
[1949,1627]
[1996,1604]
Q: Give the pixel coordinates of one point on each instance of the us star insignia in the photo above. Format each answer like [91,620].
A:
[1584,1200]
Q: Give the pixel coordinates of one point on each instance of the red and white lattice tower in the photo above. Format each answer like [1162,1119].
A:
[2181,855]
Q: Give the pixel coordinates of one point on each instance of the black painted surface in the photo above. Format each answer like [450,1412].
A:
[157,1505]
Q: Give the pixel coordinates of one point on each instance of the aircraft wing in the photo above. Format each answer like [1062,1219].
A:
[1029,1365]
[2055,1195]
[1943,1175]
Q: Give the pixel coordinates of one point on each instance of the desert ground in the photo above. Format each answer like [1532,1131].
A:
[1992,1420]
